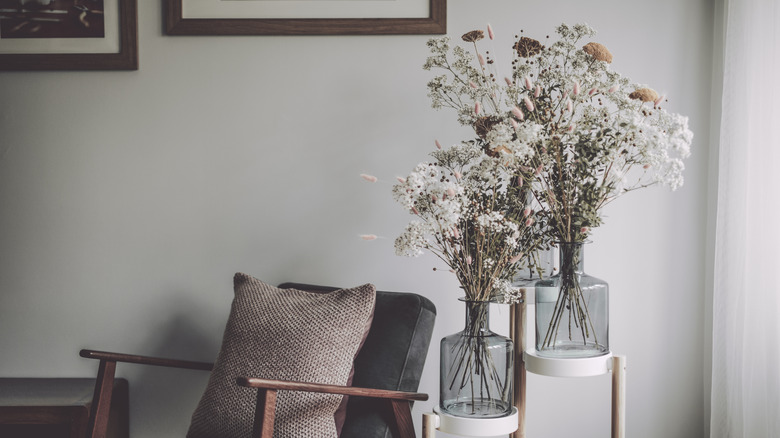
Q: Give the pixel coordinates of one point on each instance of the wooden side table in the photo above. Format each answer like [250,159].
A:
[56,407]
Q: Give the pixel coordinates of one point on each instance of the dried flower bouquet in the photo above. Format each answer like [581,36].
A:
[579,134]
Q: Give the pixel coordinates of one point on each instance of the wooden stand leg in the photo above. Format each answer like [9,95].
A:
[619,397]
[517,317]
[429,425]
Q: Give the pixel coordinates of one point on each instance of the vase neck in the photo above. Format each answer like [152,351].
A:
[477,317]
[572,258]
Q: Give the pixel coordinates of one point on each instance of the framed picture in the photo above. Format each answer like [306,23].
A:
[68,35]
[306,17]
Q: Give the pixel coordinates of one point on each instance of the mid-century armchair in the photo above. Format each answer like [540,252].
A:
[387,373]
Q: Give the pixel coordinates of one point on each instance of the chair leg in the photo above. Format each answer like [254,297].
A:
[101,400]
[265,410]
[402,412]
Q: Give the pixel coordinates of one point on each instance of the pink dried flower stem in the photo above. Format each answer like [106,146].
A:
[485,74]
[518,113]
[528,104]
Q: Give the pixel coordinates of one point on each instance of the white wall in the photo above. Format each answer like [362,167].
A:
[129,199]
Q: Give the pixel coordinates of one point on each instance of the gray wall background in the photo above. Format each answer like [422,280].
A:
[129,199]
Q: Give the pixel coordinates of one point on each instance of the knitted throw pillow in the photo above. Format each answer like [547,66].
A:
[284,334]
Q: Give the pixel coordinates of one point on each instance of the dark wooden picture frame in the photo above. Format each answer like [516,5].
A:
[125,59]
[435,23]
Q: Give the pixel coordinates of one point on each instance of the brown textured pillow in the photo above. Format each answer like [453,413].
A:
[285,334]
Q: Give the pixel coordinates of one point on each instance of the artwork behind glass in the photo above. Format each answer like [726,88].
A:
[51,19]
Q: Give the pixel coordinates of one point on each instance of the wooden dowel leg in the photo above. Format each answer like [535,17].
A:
[517,317]
[265,410]
[429,425]
[521,336]
[619,397]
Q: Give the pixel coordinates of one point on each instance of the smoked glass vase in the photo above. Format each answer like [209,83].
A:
[572,309]
[476,368]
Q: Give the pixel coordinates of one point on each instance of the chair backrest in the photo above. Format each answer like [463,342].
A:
[392,357]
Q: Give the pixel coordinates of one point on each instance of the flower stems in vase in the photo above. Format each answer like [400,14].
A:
[476,368]
[572,309]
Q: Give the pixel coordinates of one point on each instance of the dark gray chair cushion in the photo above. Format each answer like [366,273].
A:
[392,357]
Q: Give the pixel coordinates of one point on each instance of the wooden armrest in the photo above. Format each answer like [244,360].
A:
[145,360]
[101,400]
[266,402]
[252,382]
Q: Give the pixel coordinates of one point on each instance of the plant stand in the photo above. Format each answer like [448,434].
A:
[528,360]
[592,366]
[474,427]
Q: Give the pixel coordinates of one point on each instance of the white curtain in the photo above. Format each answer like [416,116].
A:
[746,301]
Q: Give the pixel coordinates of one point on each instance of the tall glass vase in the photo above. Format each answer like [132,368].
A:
[572,309]
[476,368]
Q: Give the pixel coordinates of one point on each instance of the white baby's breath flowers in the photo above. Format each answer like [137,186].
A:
[558,136]
[509,294]
[426,193]
[412,241]
[529,134]
[585,134]
[503,139]
[464,213]
[458,156]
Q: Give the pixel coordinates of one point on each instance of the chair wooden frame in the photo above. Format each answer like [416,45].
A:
[398,402]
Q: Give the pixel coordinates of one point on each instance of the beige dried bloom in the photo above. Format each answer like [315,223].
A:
[483,125]
[527,47]
[644,94]
[473,36]
[598,51]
